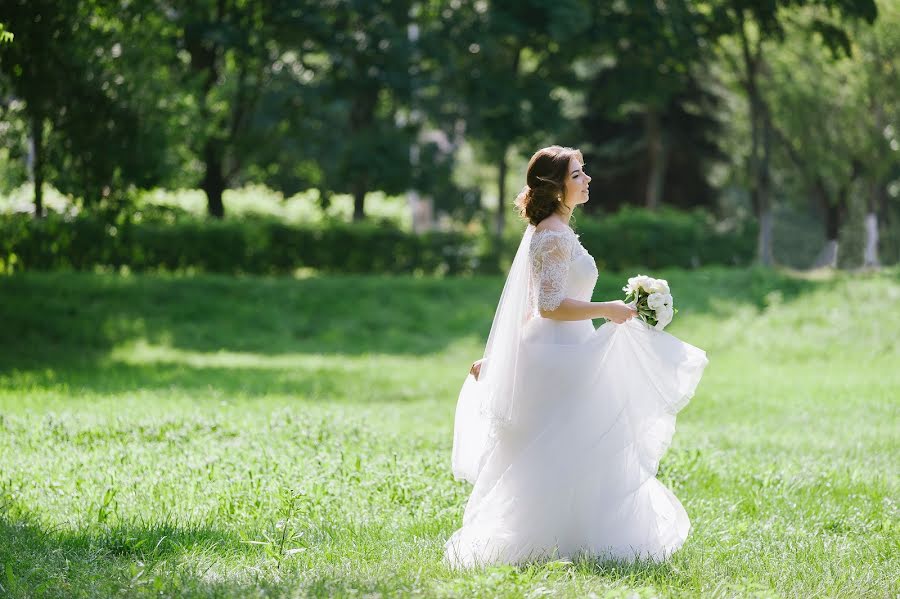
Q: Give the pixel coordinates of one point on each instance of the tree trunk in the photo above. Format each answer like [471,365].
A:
[658,157]
[502,168]
[764,240]
[324,199]
[764,196]
[501,198]
[204,64]
[828,255]
[359,201]
[876,200]
[832,221]
[362,116]
[213,180]
[870,253]
[422,211]
[758,160]
[37,165]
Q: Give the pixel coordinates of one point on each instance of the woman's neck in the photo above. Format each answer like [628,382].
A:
[564,215]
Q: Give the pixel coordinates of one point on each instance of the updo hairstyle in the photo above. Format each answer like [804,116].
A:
[545,191]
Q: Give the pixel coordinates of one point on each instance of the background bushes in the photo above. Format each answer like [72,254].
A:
[630,238]
[635,237]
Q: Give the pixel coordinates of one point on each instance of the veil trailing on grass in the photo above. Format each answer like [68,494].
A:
[489,402]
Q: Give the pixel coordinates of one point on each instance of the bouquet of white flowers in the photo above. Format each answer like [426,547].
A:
[652,299]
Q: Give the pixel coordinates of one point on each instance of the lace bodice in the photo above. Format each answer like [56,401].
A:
[560,268]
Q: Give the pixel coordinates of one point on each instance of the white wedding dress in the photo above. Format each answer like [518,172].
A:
[574,473]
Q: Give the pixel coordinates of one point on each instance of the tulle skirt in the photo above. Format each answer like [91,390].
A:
[575,472]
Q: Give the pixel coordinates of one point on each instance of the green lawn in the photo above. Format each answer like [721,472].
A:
[213,436]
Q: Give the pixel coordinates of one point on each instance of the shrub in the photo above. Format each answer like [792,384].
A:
[254,246]
[636,237]
[628,239]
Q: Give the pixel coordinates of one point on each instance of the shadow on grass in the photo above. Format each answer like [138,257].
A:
[133,560]
[163,559]
[640,570]
[51,319]
[343,381]
[89,314]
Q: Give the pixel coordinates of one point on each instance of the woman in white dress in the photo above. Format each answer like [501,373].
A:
[561,426]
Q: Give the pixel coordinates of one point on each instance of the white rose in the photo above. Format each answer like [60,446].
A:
[659,286]
[638,283]
[656,301]
[663,317]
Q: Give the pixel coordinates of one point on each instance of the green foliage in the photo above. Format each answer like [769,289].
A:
[364,97]
[251,246]
[164,240]
[501,62]
[651,115]
[636,237]
[73,75]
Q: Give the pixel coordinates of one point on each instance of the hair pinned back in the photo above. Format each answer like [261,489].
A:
[545,178]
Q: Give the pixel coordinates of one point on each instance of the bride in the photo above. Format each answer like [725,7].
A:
[561,426]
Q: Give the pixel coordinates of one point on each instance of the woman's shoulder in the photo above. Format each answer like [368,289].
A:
[550,226]
[553,237]
[552,229]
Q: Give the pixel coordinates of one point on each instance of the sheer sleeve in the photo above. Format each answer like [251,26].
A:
[553,252]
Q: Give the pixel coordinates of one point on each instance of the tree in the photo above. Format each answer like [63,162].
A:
[365,88]
[226,52]
[647,107]
[506,61]
[752,23]
[879,51]
[84,123]
[627,171]
[36,70]
[817,120]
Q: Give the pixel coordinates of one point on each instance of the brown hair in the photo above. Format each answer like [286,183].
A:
[545,179]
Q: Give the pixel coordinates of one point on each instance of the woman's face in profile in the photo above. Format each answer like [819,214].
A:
[576,183]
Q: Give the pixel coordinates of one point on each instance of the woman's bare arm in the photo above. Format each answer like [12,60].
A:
[572,309]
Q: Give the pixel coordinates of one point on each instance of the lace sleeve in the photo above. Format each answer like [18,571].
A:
[552,256]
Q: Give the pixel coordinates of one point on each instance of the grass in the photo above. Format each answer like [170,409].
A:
[249,437]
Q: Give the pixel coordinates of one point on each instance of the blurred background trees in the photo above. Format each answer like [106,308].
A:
[774,120]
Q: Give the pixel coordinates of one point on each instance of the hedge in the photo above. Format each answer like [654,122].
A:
[636,237]
[630,238]
[229,246]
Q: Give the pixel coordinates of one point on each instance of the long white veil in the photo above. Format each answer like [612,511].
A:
[489,402]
